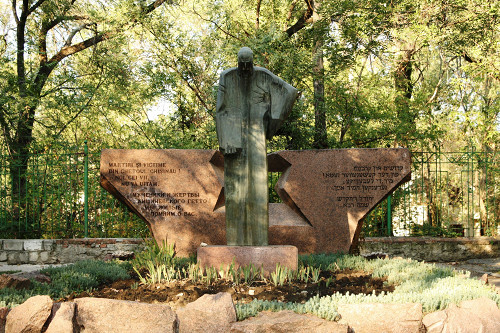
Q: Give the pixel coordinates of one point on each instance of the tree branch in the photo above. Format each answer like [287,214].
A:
[216,25]
[14,11]
[69,40]
[35,6]
[83,108]
[290,10]
[301,22]
[257,15]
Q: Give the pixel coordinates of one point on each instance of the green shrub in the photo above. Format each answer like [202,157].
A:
[432,286]
[81,276]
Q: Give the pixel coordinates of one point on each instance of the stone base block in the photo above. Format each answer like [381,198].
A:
[266,256]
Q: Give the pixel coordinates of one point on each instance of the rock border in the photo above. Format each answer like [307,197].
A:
[216,313]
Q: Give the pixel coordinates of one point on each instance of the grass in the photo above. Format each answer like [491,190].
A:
[434,287]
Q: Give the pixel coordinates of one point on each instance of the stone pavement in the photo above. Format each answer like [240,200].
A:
[25,268]
[479,267]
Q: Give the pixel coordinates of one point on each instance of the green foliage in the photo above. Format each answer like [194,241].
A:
[81,276]
[430,230]
[432,286]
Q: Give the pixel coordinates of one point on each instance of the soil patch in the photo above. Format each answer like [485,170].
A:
[178,293]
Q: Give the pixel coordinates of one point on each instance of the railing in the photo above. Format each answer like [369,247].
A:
[451,194]
[62,198]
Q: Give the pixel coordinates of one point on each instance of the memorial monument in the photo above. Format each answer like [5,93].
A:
[252,103]
[192,196]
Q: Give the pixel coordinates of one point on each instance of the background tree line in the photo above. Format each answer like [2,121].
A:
[422,74]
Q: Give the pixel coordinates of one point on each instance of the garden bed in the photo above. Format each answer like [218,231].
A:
[178,293]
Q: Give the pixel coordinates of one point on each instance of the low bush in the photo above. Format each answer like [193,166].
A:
[432,286]
[81,276]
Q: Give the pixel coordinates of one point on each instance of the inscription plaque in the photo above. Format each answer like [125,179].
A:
[326,194]
[332,191]
[175,191]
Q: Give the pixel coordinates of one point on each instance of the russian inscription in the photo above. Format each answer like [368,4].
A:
[174,191]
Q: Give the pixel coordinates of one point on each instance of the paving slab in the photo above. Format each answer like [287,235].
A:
[478,267]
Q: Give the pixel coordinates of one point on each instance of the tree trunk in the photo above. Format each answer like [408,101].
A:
[404,90]
[320,135]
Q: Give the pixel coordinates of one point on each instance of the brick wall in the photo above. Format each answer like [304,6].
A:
[61,251]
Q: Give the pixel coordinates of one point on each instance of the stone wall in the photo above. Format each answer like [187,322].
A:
[62,251]
[433,249]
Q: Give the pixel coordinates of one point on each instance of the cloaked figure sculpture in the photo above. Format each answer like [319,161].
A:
[252,103]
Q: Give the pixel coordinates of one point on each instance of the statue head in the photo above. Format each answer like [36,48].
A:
[245,61]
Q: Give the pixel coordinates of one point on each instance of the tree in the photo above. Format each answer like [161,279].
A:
[48,33]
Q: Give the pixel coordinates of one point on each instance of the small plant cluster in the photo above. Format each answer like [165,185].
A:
[158,264]
[81,276]
[417,282]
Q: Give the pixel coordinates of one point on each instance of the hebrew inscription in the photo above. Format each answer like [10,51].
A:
[333,190]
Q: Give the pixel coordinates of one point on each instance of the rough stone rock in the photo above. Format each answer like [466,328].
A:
[287,321]
[177,192]
[106,315]
[333,190]
[36,275]
[30,316]
[209,313]
[377,317]
[480,315]
[266,257]
[4,311]
[375,255]
[14,281]
[62,321]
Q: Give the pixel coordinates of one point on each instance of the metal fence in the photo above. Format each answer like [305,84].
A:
[450,194]
[63,199]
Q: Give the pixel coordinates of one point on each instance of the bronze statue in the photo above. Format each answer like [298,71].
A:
[252,103]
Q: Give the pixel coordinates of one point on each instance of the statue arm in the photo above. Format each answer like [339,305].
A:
[283,96]
[228,119]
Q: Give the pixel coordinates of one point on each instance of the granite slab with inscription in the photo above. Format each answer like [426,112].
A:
[327,194]
[177,192]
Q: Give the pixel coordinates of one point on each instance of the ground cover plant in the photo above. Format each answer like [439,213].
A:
[66,280]
[321,283]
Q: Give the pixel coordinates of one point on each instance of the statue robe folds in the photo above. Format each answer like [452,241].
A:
[249,109]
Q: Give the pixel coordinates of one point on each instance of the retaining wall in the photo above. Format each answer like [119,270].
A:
[61,251]
[433,249]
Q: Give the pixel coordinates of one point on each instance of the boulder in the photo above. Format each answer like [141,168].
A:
[63,315]
[4,311]
[30,316]
[108,315]
[14,281]
[209,313]
[480,315]
[36,275]
[287,321]
[378,317]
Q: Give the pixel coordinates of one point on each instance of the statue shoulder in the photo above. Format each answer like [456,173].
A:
[228,72]
[263,71]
